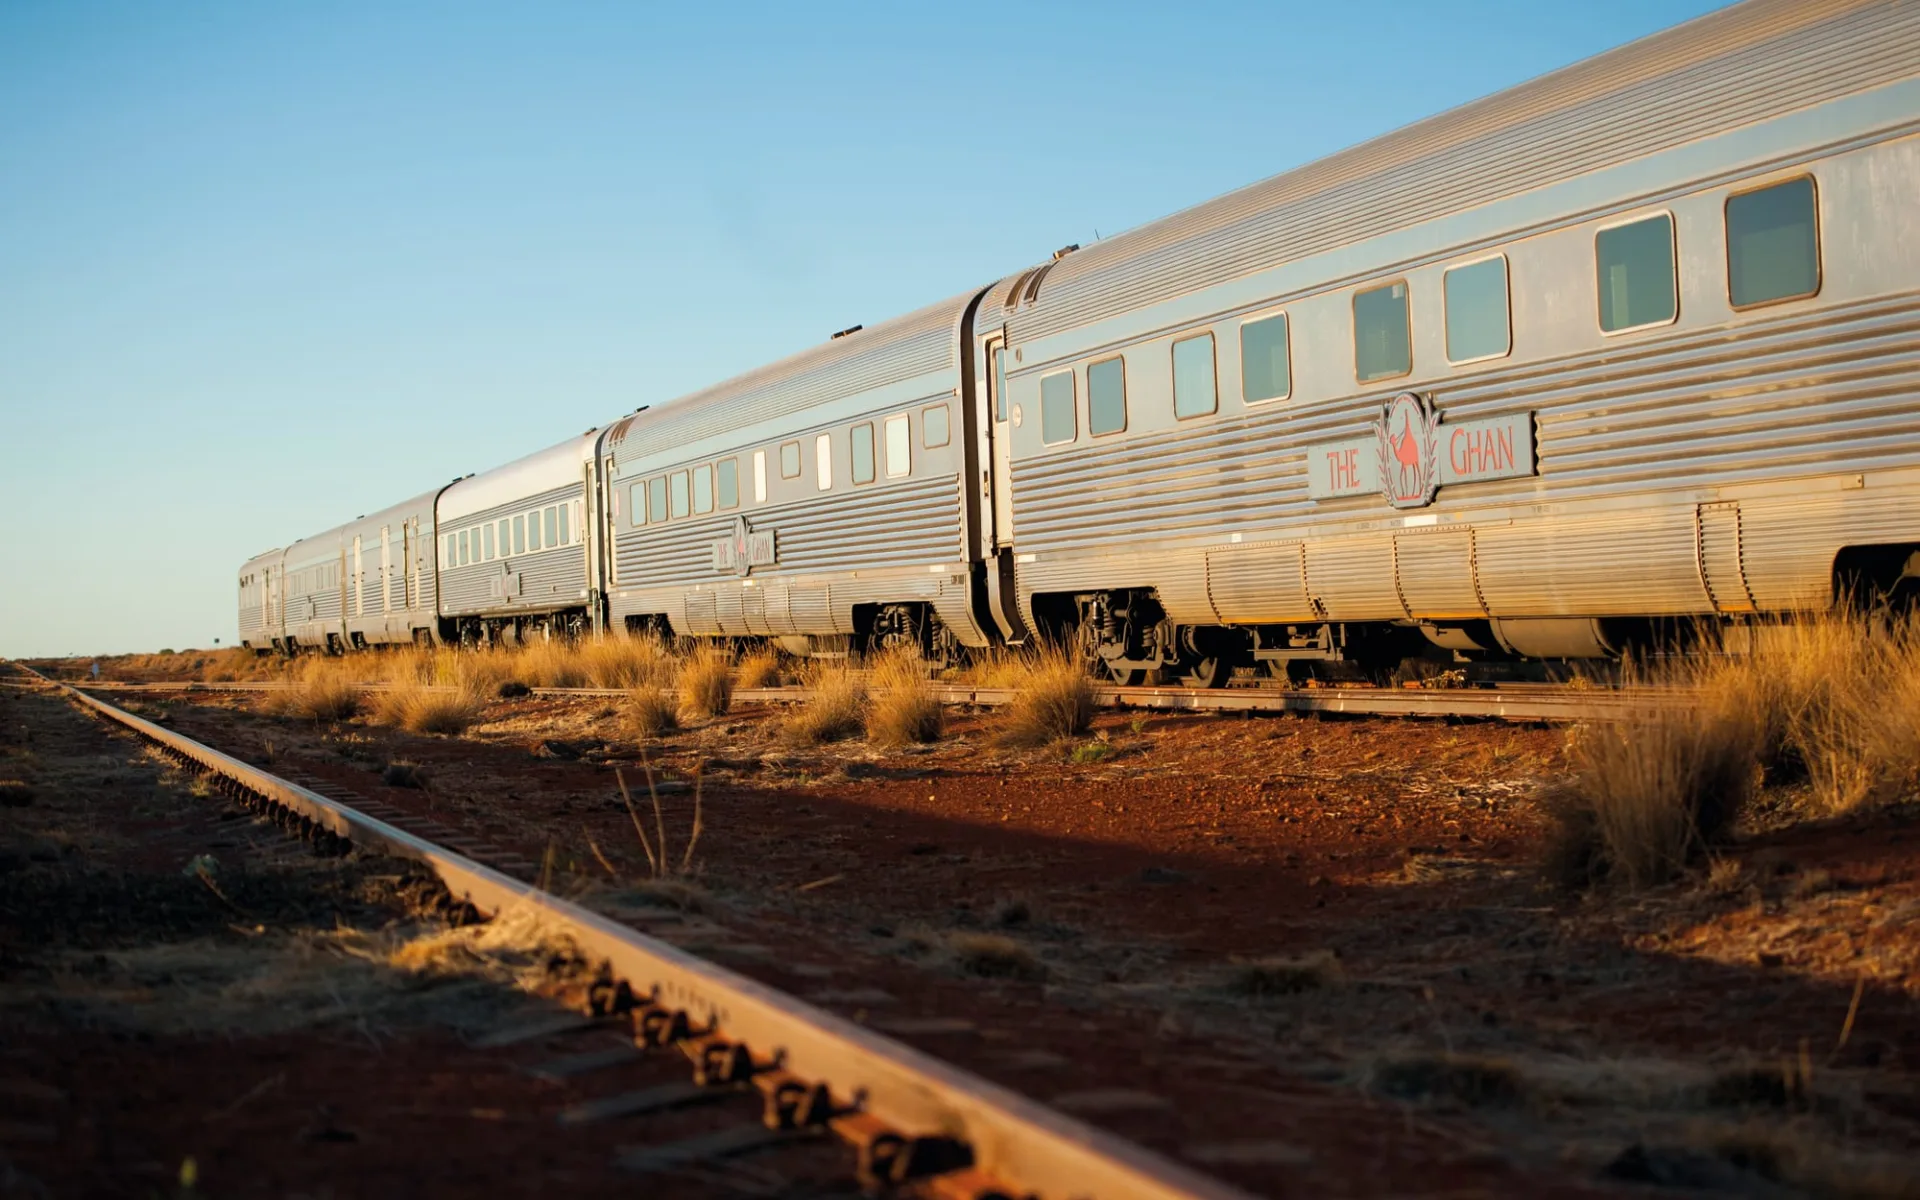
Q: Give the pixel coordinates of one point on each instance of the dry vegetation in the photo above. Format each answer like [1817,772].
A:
[904,708]
[650,712]
[1822,718]
[837,710]
[706,682]
[1053,698]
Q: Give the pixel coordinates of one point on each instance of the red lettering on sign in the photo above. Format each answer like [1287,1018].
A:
[1480,451]
[1343,467]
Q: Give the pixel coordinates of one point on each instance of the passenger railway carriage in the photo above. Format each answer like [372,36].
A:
[1635,341]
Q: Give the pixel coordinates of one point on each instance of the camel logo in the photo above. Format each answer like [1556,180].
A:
[1408,433]
[744,549]
[1411,454]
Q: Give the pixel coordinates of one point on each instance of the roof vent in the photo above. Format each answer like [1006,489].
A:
[849,329]
[1063,251]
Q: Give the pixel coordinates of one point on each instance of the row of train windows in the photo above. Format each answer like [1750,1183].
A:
[1773,254]
[312,580]
[523,533]
[697,491]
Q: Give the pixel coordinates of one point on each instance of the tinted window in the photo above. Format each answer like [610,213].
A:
[863,452]
[1477,323]
[463,547]
[1106,396]
[679,496]
[1000,383]
[657,499]
[1382,344]
[790,460]
[553,534]
[728,474]
[823,460]
[453,554]
[935,427]
[488,540]
[506,536]
[637,504]
[519,535]
[533,531]
[1264,370]
[1773,246]
[1635,268]
[1056,409]
[703,488]
[759,476]
[566,536]
[1194,392]
[899,447]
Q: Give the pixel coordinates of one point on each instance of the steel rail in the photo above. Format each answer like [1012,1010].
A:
[1523,702]
[1017,1146]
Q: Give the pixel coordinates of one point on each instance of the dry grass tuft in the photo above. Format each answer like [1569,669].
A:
[836,711]
[1053,700]
[651,712]
[1261,978]
[403,774]
[423,708]
[904,709]
[322,690]
[1821,699]
[761,669]
[706,682]
[1457,1078]
[625,662]
[994,956]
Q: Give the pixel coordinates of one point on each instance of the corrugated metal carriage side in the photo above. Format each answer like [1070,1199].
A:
[821,499]
[513,549]
[1721,458]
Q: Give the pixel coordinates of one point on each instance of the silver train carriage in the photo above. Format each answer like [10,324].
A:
[1633,342]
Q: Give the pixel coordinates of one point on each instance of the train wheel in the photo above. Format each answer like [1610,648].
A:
[1213,672]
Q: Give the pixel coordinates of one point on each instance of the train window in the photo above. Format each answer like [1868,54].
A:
[1478,321]
[823,460]
[1000,383]
[1057,421]
[727,476]
[453,552]
[679,495]
[1195,391]
[759,476]
[863,452]
[703,488]
[1773,244]
[566,535]
[936,428]
[1382,338]
[463,548]
[1634,266]
[520,534]
[656,499]
[477,556]
[790,460]
[552,538]
[899,447]
[637,504]
[1265,372]
[533,530]
[1106,396]
[506,536]
[487,536]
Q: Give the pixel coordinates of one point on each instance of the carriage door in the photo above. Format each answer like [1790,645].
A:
[386,568]
[1000,451]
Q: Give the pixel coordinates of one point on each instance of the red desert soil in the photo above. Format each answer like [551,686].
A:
[1314,957]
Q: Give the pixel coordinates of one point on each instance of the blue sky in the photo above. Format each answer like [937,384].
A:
[264,267]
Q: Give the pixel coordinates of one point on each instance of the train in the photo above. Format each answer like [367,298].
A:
[1632,344]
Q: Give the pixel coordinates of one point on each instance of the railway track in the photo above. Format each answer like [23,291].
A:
[1529,703]
[911,1120]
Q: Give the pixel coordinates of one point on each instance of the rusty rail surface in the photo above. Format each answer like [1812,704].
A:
[1507,702]
[971,1137]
